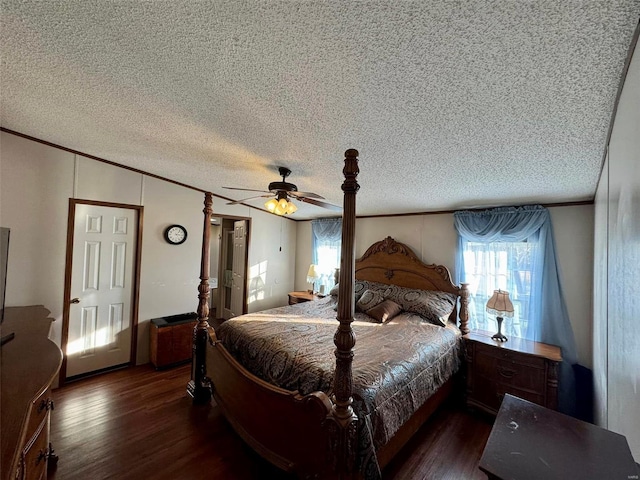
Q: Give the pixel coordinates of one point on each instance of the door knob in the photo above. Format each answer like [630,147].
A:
[75,300]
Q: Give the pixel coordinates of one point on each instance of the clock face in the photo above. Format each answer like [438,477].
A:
[175,234]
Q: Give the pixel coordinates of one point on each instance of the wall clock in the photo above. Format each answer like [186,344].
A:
[175,234]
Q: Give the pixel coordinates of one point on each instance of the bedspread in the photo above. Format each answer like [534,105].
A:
[397,365]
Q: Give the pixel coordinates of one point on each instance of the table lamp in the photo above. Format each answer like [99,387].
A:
[312,276]
[500,305]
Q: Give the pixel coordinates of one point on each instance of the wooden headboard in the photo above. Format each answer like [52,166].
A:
[394,263]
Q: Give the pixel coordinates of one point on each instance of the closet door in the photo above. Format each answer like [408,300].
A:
[100,310]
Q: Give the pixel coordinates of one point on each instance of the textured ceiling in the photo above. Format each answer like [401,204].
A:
[451,104]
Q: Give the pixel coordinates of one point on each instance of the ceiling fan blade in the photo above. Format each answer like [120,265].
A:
[306,194]
[246,189]
[249,198]
[318,203]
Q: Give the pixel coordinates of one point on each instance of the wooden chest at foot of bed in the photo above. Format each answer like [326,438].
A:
[171,338]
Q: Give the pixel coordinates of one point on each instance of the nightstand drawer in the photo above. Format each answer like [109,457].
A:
[510,355]
[490,394]
[293,300]
[517,374]
[502,389]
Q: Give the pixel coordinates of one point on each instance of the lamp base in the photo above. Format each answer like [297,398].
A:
[499,337]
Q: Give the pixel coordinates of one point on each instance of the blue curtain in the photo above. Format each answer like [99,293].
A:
[326,240]
[547,311]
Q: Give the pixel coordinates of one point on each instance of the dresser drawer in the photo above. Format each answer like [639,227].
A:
[36,453]
[39,409]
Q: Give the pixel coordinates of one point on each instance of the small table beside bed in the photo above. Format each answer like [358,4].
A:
[322,390]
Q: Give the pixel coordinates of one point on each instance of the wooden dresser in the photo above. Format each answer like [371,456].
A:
[30,363]
[520,367]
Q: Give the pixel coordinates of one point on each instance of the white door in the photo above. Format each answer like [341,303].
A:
[227,273]
[102,282]
[239,254]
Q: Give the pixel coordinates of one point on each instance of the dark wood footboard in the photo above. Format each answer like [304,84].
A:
[284,427]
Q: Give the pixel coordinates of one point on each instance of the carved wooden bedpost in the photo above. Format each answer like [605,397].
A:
[464,308]
[198,387]
[342,422]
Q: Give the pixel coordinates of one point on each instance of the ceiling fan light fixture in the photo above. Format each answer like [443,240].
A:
[280,207]
[271,205]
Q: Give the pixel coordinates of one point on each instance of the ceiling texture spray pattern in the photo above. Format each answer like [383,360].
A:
[451,104]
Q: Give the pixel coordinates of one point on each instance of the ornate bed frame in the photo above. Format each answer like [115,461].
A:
[314,435]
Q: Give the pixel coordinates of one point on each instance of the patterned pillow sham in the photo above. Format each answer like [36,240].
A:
[359,287]
[431,305]
[368,300]
[362,285]
[385,311]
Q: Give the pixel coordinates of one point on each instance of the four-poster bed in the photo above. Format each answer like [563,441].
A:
[317,433]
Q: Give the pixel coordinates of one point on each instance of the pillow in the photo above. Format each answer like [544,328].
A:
[369,299]
[385,311]
[358,289]
[432,305]
[356,298]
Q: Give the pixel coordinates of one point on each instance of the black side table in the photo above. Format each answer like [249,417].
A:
[530,442]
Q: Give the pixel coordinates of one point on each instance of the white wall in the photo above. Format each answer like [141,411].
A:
[434,239]
[573,232]
[36,182]
[271,261]
[169,274]
[617,301]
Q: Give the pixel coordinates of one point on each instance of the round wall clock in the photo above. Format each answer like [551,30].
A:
[175,234]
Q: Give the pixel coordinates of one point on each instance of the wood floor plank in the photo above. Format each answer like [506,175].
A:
[139,423]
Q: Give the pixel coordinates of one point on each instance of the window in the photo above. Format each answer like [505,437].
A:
[328,258]
[326,242]
[512,248]
[500,265]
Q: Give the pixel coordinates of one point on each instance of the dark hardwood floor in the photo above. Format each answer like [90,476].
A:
[139,423]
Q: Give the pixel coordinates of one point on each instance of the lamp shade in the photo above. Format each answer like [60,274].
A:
[499,304]
[271,205]
[312,274]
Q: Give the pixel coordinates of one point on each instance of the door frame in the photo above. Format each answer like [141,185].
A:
[68,270]
[222,217]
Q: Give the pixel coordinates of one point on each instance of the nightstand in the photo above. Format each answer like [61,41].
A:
[301,297]
[523,368]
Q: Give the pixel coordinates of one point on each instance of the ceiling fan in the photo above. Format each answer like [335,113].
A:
[284,192]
